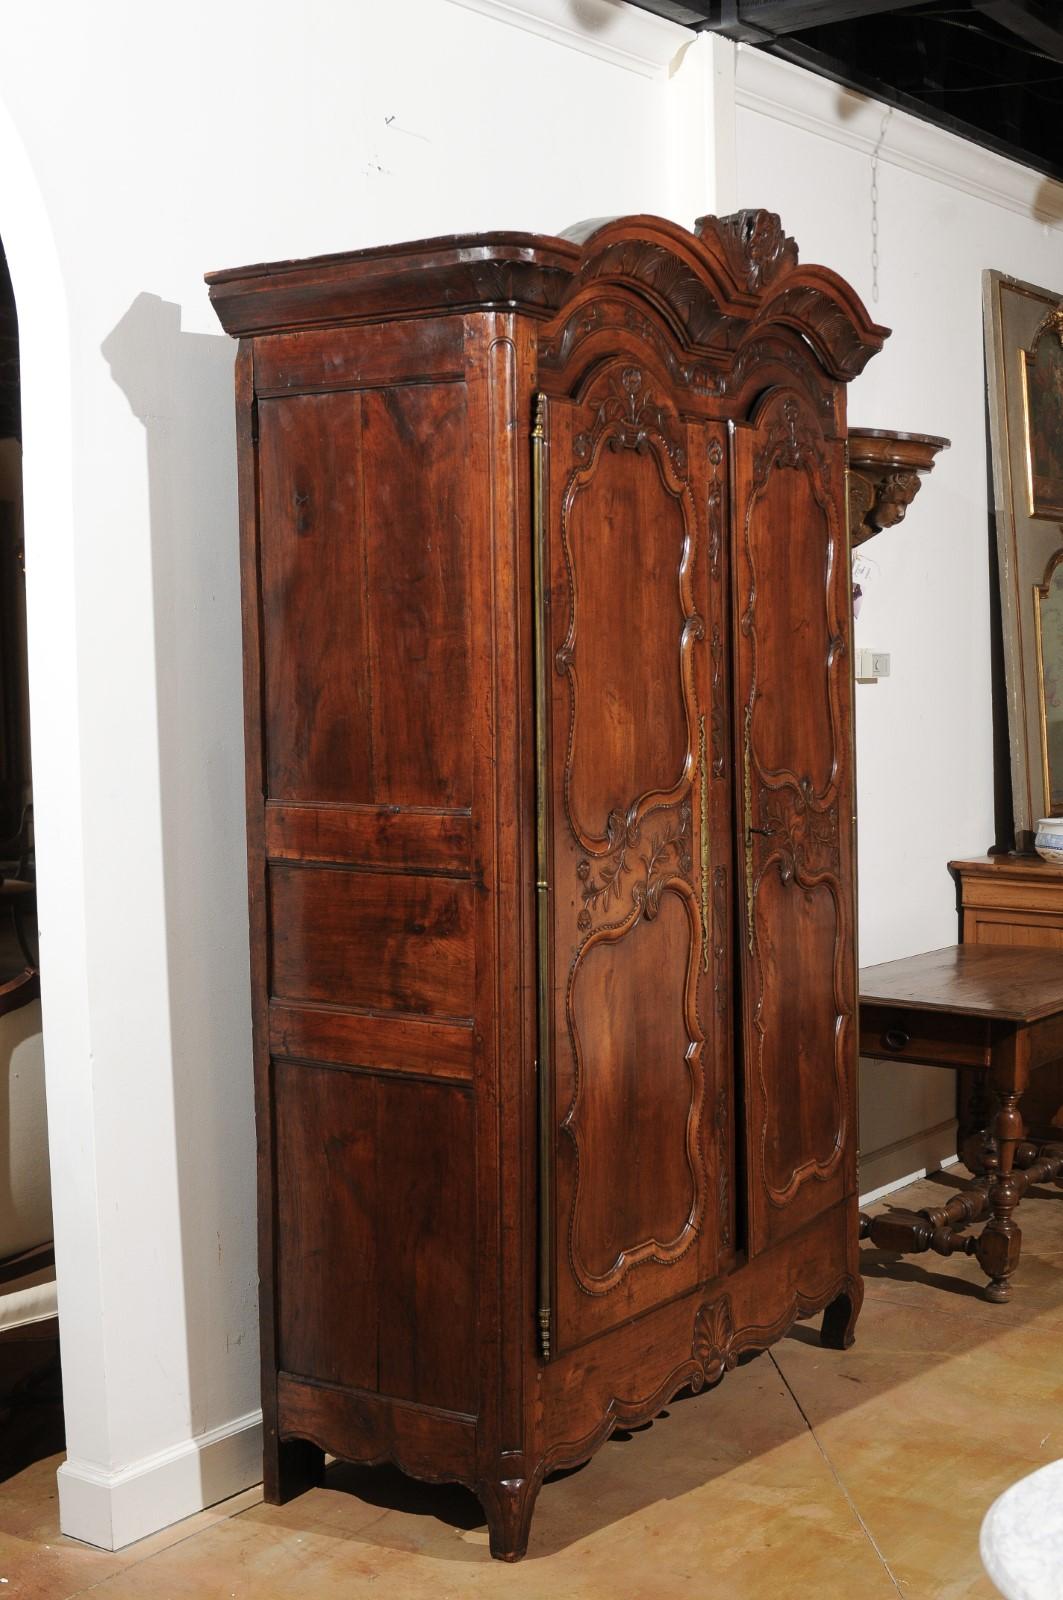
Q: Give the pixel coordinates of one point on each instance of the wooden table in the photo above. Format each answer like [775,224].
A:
[996,1011]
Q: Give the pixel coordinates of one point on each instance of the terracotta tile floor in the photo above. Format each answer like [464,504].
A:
[805,1473]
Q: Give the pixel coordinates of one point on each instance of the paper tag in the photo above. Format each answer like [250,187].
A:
[865,570]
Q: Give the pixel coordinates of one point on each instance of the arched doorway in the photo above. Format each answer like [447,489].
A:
[31,1425]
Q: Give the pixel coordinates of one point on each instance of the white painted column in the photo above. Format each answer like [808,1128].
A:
[703,177]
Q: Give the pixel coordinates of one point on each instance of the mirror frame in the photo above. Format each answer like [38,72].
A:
[1029,534]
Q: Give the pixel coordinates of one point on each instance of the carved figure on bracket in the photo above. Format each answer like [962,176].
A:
[885,474]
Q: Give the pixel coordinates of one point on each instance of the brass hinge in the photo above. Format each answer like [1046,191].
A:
[542,886]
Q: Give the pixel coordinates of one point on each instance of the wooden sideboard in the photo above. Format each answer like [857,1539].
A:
[1016,900]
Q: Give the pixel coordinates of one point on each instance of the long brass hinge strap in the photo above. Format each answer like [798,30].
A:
[542,886]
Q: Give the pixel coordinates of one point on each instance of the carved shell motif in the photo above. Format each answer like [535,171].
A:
[713,1347]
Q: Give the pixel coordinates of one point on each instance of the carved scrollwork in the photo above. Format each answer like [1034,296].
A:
[805,837]
[579,325]
[754,355]
[757,247]
[719,713]
[667,856]
[718,1342]
[790,444]
[630,414]
[671,281]
[666,867]
[826,323]
[714,507]
[629,418]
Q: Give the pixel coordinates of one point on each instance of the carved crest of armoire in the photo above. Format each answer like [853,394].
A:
[550,814]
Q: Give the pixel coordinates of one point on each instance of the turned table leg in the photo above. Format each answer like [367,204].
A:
[1000,1242]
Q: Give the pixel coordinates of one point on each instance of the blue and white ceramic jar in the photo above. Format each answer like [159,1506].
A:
[1049,840]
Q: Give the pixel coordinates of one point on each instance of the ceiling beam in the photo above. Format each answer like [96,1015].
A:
[762,21]
[1032,20]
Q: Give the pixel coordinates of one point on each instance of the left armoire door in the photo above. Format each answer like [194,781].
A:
[636,1045]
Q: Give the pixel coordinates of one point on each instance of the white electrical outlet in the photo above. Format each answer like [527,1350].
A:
[871,665]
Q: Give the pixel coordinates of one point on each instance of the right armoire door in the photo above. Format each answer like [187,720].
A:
[793,736]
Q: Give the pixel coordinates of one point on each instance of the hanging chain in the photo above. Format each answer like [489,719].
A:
[874,201]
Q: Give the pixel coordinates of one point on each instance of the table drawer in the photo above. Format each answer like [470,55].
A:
[928,1038]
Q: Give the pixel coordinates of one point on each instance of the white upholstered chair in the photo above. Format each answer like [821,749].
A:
[27,1262]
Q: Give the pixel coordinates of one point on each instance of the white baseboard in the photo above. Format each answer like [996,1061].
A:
[910,1177]
[111,1509]
[891,1167]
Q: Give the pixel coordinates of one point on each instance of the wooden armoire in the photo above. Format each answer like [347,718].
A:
[550,823]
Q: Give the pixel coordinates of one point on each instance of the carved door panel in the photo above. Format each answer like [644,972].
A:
[637,1143]
[793,729]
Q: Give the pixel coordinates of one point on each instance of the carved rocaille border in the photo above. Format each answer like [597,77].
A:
[629,418]
[666,1252]
[798,446]
[716,1345]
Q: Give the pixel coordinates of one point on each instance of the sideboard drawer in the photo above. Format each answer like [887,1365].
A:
[932,1039]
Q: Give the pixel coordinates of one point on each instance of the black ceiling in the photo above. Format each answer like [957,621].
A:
[990,70]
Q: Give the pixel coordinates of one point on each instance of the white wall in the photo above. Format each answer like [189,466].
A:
[946,210]
[139,147]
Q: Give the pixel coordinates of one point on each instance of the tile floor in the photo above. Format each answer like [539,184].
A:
[805,1473]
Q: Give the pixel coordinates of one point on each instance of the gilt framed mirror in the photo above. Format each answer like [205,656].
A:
[1024,364]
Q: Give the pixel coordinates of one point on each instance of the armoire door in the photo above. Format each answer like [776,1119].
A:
[634,910]
[793,722]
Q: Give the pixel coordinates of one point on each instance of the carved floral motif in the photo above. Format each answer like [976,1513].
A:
[806,837]
[667,856]
[630,414]
[757,248]
[790,443]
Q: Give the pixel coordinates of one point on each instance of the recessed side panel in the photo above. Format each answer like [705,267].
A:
[386,941]
[365,596]
[793,721]
[376,1243]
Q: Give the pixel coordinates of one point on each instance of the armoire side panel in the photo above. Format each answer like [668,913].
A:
[794,719]
[370,876]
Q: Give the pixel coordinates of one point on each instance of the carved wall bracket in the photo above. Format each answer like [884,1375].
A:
[885,474]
